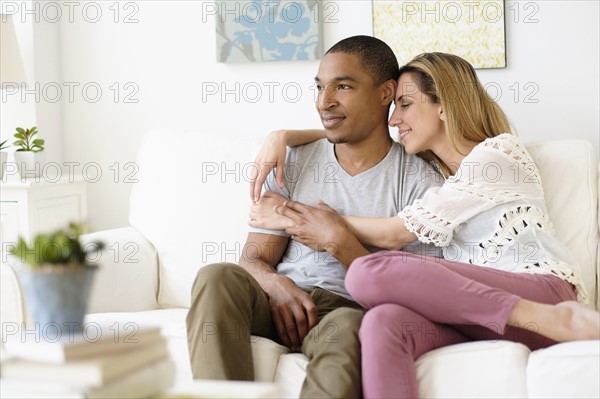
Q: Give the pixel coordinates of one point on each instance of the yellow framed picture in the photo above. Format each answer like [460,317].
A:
[471,29]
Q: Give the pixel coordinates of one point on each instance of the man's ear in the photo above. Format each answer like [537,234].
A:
[389,91]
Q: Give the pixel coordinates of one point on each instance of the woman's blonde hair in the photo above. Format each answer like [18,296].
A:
[471,115]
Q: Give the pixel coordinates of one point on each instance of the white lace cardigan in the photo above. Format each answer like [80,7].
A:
[492,213]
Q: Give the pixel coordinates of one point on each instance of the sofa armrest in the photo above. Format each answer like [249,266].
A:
[127,277]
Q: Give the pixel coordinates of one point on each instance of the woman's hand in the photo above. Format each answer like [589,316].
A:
[317,227]
[271,155]
[322,229]
[263,215]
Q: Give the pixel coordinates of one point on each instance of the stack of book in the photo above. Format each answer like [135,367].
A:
[77,366]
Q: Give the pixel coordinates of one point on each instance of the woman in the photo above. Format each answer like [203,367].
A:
[504,276]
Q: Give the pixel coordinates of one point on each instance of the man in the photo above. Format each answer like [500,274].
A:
[289,292]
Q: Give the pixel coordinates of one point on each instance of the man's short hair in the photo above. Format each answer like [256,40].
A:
[376,57]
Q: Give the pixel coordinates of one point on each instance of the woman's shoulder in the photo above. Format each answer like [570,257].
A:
[507,146]
[504,161]
[504,142]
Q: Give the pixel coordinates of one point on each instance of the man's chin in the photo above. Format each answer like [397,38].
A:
[338,140]
[332,138]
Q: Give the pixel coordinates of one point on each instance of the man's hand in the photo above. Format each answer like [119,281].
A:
[293,311]
[322,229]
[263,215]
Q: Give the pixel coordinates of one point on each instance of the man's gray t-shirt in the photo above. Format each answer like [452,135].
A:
[313,173]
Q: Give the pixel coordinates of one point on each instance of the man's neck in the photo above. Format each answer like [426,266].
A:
[356,158]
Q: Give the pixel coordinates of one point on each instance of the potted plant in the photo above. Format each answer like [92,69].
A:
[3,158]
[57,276]
[28,156]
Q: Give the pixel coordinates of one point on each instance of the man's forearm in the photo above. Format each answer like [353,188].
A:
[259,257]
[262,272]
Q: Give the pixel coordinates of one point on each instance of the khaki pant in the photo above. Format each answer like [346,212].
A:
[228,305]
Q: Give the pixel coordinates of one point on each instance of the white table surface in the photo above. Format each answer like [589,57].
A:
[223,389]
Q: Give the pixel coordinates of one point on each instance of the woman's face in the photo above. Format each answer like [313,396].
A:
[419,120]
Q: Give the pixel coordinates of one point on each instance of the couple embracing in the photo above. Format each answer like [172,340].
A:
[352,247]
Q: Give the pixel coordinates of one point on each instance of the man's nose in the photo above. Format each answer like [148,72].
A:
[326,99]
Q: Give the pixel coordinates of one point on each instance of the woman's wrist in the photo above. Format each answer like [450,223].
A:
[279,137]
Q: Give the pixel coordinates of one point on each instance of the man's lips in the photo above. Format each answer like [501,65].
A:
[331,121]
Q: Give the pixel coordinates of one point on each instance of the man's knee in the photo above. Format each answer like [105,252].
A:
[346,318]
[218,288]
[339,326]
[217,274]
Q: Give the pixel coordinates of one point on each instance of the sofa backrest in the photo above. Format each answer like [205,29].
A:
[192,202]
[569,170]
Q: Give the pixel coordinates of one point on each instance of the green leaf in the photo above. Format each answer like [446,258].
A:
[21,130]
[56,248]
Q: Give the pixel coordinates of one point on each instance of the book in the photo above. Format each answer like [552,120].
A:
[91,372]
[77,346]
[148,381]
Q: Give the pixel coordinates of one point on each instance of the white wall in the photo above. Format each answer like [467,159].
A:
[166,59]
[39,103]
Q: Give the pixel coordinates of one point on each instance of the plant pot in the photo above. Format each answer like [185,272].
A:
[3,159]
[29,163]
[57,295]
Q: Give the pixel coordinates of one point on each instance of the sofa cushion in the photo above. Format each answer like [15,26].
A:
[290,374]
[569,171]
[191,202]
[474,370]
[552,371]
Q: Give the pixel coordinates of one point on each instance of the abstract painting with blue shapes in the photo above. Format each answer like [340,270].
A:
[258,31]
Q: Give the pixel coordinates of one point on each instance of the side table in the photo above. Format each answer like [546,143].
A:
[30,206]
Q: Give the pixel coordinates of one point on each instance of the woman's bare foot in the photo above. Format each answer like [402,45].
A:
[575,322]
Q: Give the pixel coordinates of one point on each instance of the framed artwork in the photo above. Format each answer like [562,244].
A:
[258,31]
[473,30]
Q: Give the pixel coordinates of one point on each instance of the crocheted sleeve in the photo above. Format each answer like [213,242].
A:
[496,171]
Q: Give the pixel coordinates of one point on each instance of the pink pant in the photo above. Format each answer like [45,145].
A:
[420,303]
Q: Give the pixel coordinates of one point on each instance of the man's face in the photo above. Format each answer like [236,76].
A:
[349,104]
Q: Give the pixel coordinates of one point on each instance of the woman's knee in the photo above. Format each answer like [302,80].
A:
[388,322]
[359,273]
[368,274]
[386,316]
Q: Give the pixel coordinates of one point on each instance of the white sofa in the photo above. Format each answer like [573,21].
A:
[189,209]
